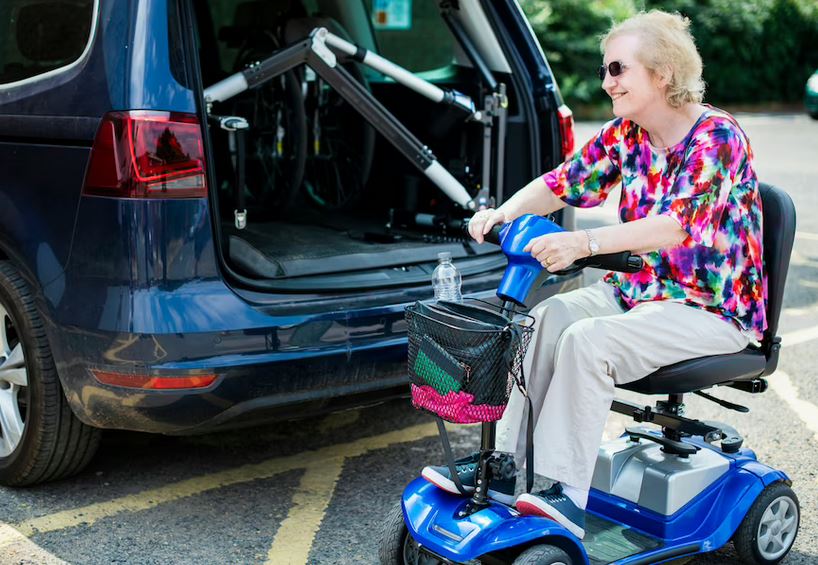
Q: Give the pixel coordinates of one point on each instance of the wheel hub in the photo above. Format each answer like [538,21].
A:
[13,381]
[776,530]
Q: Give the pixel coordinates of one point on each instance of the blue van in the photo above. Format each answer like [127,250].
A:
[130,295]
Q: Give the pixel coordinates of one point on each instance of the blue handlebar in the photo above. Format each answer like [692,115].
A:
[523,269]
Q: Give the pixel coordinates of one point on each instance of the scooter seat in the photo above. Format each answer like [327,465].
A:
[695,374]
[702,372]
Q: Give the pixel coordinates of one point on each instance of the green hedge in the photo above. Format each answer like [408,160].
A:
[754,51]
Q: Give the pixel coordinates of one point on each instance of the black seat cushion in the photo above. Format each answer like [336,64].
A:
[702,372]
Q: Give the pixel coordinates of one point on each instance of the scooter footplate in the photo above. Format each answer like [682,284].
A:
[607,541]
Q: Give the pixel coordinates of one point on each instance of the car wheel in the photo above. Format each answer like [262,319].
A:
[40,438]
[768,530]
[543,555]
[813,115]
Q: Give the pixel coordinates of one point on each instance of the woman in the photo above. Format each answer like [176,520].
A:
[690,206]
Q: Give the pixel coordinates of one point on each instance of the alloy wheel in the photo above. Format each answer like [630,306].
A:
[13,385]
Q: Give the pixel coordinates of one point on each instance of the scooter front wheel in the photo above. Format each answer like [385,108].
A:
[397,546]
[393,537]
[543,555]
[770,526]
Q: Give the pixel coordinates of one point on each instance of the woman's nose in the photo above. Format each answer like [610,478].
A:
[608,83]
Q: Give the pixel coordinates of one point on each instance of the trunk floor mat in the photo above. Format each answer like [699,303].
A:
[277,250]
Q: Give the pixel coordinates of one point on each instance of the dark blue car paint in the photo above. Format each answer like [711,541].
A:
[136,286]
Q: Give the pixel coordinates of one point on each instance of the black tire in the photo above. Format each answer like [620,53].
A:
[393,536]
[813,115]
[54,444]
[543,555]
[273,174]
[748,539]
[338,168]
[397,547]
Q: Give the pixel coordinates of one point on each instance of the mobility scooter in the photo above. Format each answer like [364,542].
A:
[657,495]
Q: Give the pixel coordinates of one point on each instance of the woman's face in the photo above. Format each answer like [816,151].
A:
[636,91]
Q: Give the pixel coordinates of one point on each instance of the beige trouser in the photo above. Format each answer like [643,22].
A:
[583,345]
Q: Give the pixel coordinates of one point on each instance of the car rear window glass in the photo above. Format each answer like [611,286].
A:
[37,37]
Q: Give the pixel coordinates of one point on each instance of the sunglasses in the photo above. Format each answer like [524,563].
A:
[616,68]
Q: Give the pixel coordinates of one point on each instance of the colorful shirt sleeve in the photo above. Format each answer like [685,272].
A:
[712,165]
[586,178]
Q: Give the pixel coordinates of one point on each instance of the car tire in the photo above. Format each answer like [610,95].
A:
[40,438]
[776,511]
[543,555]
[813,115]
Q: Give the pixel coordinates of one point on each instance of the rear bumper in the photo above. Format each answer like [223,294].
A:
[243,394]
[268,367]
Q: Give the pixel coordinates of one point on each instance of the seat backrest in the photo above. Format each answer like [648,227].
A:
[779,232]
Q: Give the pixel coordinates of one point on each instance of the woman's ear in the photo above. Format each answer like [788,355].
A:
[662,76]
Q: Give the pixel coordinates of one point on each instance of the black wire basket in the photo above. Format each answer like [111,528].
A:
[464,359]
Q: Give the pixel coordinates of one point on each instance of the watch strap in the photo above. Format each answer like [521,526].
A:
[593,245]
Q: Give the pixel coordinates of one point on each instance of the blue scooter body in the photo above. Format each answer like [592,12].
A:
[705,524]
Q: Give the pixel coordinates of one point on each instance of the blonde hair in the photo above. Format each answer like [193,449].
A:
[666,43]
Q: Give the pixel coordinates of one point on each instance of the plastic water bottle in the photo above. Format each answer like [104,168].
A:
[446,280]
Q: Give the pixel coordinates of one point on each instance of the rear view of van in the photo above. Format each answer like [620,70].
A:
[162,271]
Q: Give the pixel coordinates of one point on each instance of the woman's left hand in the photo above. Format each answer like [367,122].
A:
[557,251]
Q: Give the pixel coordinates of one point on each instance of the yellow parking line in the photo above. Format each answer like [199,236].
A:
[293,540]
[154,497]
[16,548]
[338,420]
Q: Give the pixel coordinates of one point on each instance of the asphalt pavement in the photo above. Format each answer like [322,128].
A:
[317,491]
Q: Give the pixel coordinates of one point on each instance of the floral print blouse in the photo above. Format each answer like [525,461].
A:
[706,182]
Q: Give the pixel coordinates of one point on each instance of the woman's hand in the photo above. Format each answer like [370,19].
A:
[482,222]
[557,251]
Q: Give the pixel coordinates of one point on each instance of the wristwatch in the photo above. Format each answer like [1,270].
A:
[593,244]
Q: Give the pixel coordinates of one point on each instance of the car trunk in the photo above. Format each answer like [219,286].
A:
[331,204]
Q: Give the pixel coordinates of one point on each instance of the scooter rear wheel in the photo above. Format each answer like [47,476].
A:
[768,531]
[543,555]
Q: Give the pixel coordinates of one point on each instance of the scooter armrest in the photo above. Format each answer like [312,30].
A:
[623,262]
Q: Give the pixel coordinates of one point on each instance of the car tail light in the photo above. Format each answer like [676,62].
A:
[566,119]
[147,154]
[153,382]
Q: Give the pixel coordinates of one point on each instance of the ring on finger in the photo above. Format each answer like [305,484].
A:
[549,261]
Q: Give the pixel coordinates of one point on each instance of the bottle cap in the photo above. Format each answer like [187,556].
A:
[444,256]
